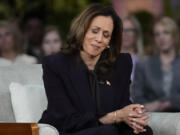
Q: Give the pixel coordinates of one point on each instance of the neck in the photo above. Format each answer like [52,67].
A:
[10,55]
[168,54]
[167,57]
[89,60]
[128,50]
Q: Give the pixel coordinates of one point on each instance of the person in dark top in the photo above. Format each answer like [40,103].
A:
[87,84]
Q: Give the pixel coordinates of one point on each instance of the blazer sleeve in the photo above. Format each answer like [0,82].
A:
[138,84]
[124,69]
[127,99]
[60,111]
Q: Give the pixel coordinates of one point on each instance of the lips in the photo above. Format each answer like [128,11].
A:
[95,47]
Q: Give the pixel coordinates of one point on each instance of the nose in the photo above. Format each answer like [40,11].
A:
[161,36]
[99,37]
[2,38]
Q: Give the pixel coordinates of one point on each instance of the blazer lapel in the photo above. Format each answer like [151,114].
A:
[157,74]
[175,76]
[79,77]
[107,102]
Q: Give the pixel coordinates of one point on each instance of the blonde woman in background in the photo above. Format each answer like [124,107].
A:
[156,82]
[132,39]
[10,46]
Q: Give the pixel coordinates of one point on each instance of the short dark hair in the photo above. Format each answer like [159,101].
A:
[51,28]
[80,26]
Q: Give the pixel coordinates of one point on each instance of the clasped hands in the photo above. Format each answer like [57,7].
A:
[133,115]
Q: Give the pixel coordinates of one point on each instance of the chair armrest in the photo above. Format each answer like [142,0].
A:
[46,129]
[165,123]
[19,129]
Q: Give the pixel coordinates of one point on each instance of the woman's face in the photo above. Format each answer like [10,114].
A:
[129,34]
[163,38]
[98,35]
[51,43]
[6,39]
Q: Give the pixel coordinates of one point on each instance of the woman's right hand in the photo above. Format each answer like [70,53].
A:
[133,115]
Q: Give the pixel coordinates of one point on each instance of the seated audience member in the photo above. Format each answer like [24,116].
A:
[51,41]
[33,28]
[132,39]
[10,46]
[87,83]
[156,83]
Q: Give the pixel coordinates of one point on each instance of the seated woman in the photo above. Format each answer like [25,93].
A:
[132,41]
[10,46]
[156,82]
[87,84]
[51,41]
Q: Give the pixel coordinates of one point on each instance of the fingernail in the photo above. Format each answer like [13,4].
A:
[130,114]
[142,106]
[140,111]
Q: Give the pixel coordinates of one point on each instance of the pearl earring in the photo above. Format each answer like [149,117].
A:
[108,47]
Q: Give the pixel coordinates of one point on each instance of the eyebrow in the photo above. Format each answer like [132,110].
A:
[104,30]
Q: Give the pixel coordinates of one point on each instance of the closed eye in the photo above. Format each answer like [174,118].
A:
[106,34]
[96,30]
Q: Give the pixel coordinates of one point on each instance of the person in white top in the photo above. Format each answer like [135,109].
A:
[10,46]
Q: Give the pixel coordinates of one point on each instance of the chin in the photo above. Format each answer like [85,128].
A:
[165,49]
[94,54]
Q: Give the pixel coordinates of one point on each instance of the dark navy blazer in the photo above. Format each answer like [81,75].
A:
[71,107]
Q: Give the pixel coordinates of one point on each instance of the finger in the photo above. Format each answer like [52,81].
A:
[136,132]
[140,122]
[145,117]
[133,126]
[140,111]
[135,115]
[137,106]
[137,127]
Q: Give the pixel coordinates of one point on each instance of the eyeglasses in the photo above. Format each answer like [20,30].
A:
[130,31]
[4,35]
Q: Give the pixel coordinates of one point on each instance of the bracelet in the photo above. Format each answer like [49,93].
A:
[115,114]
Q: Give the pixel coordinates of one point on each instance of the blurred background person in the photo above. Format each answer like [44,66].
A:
[10,46]
[33,28]
[132,39]
[51,41]
[156,83]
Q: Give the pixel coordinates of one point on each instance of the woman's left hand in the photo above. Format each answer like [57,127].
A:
[140,123]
